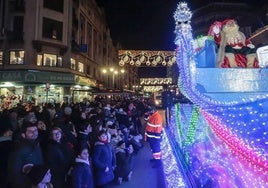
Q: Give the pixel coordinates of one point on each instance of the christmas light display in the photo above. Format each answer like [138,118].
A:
[224,142]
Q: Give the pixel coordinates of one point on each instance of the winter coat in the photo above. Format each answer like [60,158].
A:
[58,157]
[5,149]
[103,156]
[81,175]
[124,163]
[26,152]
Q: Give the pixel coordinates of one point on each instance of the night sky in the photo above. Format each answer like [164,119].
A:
[148,24]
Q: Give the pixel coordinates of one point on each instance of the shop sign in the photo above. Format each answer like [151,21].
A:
[25,76]
[11,76]
[84,81]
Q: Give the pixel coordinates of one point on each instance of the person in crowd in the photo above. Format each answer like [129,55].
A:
[5,149]
[136,141]
[43,133]
[81,174]
[68,127]
[153,134]
[124,162]
[134,117]
[103,160]
[39,175]
[58,156]
[115,137]
[26,151]
[122,118]
[83,137]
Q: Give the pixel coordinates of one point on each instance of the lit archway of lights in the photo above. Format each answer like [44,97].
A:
[146,58]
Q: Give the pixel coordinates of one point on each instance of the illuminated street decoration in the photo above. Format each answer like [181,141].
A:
[146,58]
[155,81]
[152,88]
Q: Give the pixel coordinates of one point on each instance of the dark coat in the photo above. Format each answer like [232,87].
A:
[26,152]
[5,149]
[124,163]
[58,157]
[103,156]
[82,176]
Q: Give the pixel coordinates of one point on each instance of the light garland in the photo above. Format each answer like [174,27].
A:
[146,58]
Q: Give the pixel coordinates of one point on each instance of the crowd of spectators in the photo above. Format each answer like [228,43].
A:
[86,144]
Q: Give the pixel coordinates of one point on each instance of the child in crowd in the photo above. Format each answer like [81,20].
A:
[39,175]
[81,174]
[103,160]
[124,162]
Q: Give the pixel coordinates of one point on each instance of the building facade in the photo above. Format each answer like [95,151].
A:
[53,51]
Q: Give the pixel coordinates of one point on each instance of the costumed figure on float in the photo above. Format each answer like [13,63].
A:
[234,49]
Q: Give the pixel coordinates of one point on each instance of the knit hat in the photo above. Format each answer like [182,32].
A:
[37,173]
[68,110]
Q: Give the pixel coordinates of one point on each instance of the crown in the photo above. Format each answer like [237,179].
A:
[182,13]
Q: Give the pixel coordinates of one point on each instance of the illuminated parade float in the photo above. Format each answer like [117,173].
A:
[220,139]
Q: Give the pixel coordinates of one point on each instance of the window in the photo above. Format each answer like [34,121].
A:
[95,42]
[1,57]
[52,29]
[16,57]
[88,70]
[89,31]
[59,61]
[56,5]
[82,29]
[39,60]
[49,60]
[80,67]
[99,46]
[72,64]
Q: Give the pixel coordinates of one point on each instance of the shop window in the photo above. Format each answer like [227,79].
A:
[1,57]
[72,64]
[52,29]
[16,57]
[54,5]
[80,67]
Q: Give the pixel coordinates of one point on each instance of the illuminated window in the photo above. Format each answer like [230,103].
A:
[72,64]
[59,61]
[16,57]
[1,57]
[49,60]
[39,60]
[80,67]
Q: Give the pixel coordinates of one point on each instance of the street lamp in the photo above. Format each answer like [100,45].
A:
[114,73]
[104,71]
[122,78]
